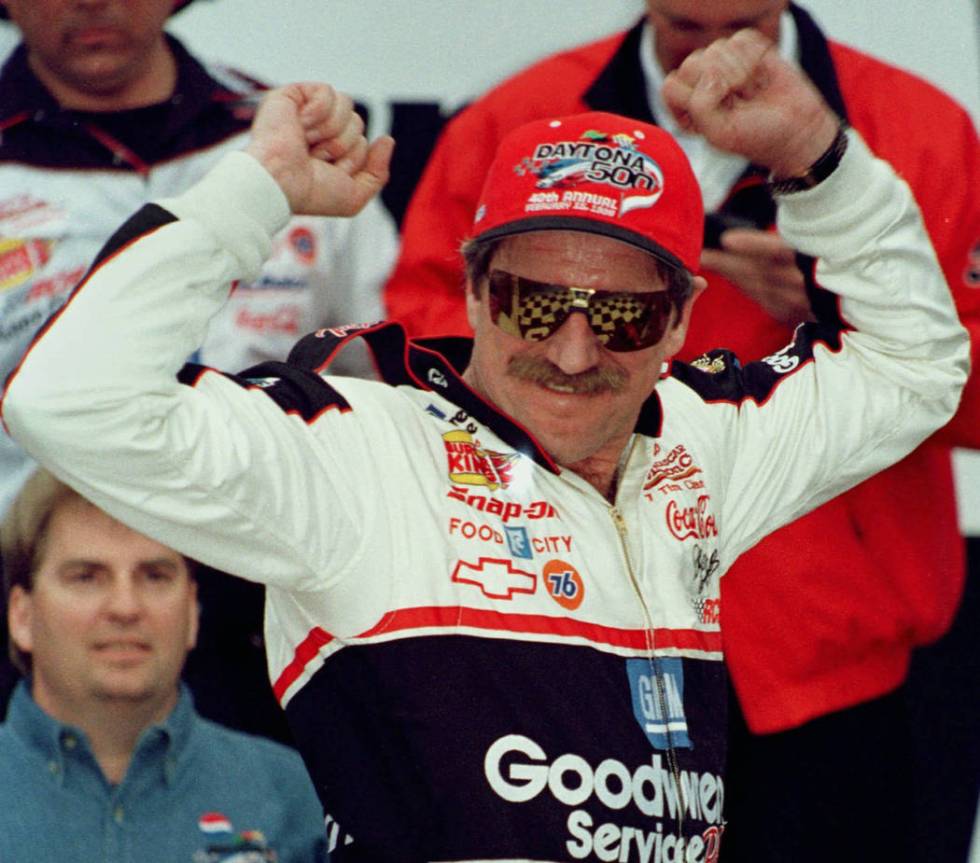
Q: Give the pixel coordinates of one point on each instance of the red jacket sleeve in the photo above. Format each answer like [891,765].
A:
[932,143]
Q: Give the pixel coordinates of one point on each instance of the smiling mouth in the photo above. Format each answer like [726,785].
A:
[545,374]
[566,390]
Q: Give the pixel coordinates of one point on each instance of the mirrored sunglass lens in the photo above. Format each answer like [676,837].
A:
[534,310]
[541,311]
[526,308]
[502,290]
[628,322]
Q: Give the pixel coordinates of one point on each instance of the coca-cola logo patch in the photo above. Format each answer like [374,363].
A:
[691,522]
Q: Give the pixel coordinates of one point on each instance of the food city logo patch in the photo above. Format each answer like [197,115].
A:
[21,259]
[497,578]
[470,464]
[673,467]
[691,522]
[657,693]
[519,542]
[635,180]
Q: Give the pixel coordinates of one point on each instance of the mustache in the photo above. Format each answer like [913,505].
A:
[537,370]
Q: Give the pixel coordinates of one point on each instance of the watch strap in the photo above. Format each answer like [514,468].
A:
[817,172]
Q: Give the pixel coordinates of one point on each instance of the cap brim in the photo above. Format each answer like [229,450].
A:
[587,226]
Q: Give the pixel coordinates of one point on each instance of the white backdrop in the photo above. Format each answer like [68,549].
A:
[453,49]
[447,51]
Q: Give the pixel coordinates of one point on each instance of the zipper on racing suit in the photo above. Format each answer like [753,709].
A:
[621,530]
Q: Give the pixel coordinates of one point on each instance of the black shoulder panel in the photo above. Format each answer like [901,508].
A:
[296,390]
[147,218]
[719,376]
[386,341]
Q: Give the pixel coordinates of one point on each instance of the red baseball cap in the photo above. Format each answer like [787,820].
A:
[600,173]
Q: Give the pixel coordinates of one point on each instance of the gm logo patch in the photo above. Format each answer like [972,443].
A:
[657,692]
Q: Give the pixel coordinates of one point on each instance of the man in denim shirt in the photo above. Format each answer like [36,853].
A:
[102,756]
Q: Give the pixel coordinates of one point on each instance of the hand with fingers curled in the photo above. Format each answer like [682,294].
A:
[310,139]
[744,98]
[762,265]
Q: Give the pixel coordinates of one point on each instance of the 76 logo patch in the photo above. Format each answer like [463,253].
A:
[563,583]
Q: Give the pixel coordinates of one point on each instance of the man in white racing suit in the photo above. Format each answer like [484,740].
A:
[493,579]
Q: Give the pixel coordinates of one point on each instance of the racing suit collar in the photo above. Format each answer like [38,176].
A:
[23,96]
[437,364]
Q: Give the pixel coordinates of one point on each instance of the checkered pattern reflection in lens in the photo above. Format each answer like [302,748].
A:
[541,312]
[534,310]
[619,313]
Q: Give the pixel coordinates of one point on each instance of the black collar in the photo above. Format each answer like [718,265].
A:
[24,97]
[620,87]
[437,365]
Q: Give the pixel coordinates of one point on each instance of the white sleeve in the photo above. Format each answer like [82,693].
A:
[836,405]
[218,471]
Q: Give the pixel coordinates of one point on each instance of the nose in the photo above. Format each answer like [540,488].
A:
[124,600]
[573,347]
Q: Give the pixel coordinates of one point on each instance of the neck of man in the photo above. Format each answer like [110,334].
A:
[112,725]
[601,471]
[154,83]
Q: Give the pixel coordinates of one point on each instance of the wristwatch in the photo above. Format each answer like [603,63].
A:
[817,172]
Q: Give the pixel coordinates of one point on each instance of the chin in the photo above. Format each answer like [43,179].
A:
[566,448]
[124,687]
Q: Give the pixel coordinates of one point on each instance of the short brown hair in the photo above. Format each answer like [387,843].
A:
[23,540]
[23,535]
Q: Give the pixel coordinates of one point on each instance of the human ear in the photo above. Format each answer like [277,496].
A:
[472,305]
[20,618]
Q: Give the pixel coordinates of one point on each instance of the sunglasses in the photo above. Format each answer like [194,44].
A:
[621,321]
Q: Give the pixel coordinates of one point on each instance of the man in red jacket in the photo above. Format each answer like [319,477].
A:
[820,619]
